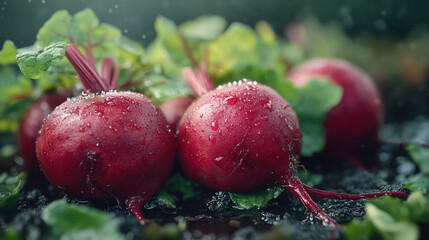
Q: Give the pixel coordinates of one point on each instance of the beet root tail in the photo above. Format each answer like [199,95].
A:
[325,194]
[297,188]
[134,204]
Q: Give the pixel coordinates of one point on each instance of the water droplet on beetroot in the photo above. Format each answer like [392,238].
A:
[81,129]
[269,106]
[218,158]
[212,139]
[230,100]
[215,125]
[88,125]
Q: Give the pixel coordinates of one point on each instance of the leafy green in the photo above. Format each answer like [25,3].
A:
[8,53]
[419,181]
[315,100]
[177,188]
[9,190]
[207,27]
[82,29]
[310,178]
[258,199]
[34,63]
[389,218]
[71,221]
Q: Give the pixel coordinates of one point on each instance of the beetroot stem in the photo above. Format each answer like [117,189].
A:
[114,81]
[295,186]
[194,83]
[87,74]
[134,204]
[202,76]
[106,70]
[325,194]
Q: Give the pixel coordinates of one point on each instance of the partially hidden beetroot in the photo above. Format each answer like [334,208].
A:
[106,144]
[356,120]
[174,109]
[30,125]
[243,136]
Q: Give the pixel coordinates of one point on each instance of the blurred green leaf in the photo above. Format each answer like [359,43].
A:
[419,181]
[389,218]
[420,156]
[207,27]
[315,100]
[34,63]
[258,199]
[71,221]
[10,186]
[177,188]
[8,53]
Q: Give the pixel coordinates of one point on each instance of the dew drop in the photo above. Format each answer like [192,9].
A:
[215,125]
[231,100]
[212,139]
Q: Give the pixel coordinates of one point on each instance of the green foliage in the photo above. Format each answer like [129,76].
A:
[389,218]
[9,190]
[34,63]
[8,53]
[71,221]
[419,181]
[258,199]
[315,100]
[177,188]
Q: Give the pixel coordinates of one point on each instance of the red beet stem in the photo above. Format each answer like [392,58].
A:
[87,74]
[325,194]
[201,75]
[134,204]
[295,186]
[106,70]
[115,76]
[194,83]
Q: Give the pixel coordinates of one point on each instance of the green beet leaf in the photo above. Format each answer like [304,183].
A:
[177,188]
[72,221]
[8,53]
[390,218]
[314,101]
[34,63]
[207,27]
[14,92]
[10,186]
[258,199]
[419,181]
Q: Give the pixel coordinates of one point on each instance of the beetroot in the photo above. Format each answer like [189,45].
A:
[110,145]
[355,121]
[242,137]
[173,109]
[30,125]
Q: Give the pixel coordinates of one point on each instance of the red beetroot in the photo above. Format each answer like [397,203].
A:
[173,109]
[31,123]
[244,136]
[111,144]
[357,118]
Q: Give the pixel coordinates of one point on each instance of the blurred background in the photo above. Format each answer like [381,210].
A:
[387,38]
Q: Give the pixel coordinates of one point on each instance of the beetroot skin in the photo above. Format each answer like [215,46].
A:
[223,140]
[173,109]
[358,117]
[111,145]
[31,123]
